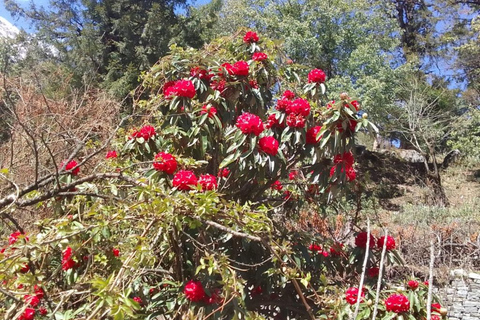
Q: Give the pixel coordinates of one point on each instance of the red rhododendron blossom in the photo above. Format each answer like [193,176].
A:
[315,248]
[336,249]
[355,104]
[184,180]
[168,88]
[259,56]
[256,291]
[223,173]
[350,172]
[240,68]
[317,76]
[253,84]
[288,95]
[412,284]
[361,240]
[287,195]
[295,120]
[211,111]
[250,37]
[146,132]
[346,158]
[269,145]
[111,154]
[138,300]
[33,301]
[352,124]
[194,291]
[390,243]
[69,167]
[208,182]
[25,268]
[218,85]
[436,317]
[165,162]
[299,106]
[214,298]
[436,307]
[272,121]
[67,261]
[200,73]
[312,136]
[42,311]
[250,123]
[330,104]
[293,175]
[373,272]
[38,292]
[184,88]
[283,104]
[116,252]
[277,185]
[426,283]
[28,314]
[397,303]
[14,237]
[351,295]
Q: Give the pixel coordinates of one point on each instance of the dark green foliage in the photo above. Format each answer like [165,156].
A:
[110,40]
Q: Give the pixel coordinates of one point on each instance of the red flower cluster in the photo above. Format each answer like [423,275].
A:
[436,307]
[312,135]
[277,185]
[14,237]
[210,110]
[218,85]
[316,76]
[250,123]
[146,132]
[299,106]
[295,120]
[355,104]
[361,240]
[33,301]
[289,95]
[283,104]
[67,261]
[182,88]
[165,162]
[223,173]
[28,314]
[390,243]
[346,160]
[293,175]
[194,291]
[351,295]
[336,249]
[200,73]
[184,180]
[269,145]
[111,154]
[69,167]
[397,303]
[208,182]
[116,252]
[318,249]
[259,56]
[272,121]
[240,68]
[412,284]
[250,37]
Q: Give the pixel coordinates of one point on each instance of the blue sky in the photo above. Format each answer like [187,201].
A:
[22,24]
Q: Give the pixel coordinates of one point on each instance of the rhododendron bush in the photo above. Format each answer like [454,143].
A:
[193,211]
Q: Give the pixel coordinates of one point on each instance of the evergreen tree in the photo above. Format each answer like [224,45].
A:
[113,39]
